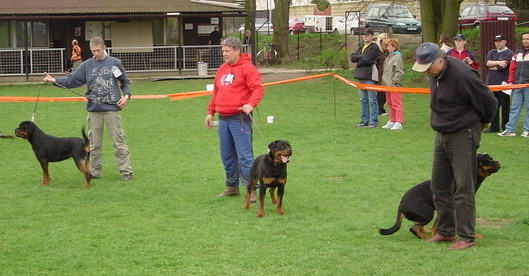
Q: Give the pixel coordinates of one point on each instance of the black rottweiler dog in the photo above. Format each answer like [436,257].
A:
[270,170]
[417,203]
[49,148]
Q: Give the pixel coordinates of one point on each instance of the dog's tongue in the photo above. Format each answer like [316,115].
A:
[284,159]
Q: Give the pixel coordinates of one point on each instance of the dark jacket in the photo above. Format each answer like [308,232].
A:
[519,69]
[500,75]
[364,61]
[459,98]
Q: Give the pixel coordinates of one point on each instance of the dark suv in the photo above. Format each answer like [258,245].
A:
[392,19]
[472,15]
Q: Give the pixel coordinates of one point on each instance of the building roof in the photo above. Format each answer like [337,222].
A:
[79,7]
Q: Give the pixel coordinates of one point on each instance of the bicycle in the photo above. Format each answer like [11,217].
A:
[267,56]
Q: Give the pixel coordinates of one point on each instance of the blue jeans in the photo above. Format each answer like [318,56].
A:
[369,103]
[235,138]
[519,97]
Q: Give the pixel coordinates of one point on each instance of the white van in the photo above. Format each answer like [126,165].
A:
[319,23]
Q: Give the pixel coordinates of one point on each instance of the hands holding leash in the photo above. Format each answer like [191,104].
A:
[48,78]
[247,109]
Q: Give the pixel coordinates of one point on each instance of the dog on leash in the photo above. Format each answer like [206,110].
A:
[5,136]
[417,203]
[49,148]
[270,170]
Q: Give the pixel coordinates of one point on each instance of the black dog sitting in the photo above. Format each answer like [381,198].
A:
[270,170]
[48,148]
[417,203]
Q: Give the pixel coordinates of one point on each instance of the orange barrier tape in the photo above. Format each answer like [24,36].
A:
[66,99]
[187,95]
[382,88]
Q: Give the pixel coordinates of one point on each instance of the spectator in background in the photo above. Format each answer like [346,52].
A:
[461,52]
[248,37]
[519,74]
[215,38]
[393,71]
[445,42]
[366,72]
[76,57]
[382,41]
[498,61]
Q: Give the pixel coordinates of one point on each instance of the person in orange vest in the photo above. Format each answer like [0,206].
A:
[76,58]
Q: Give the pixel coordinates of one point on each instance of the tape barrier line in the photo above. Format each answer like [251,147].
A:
[381,88]
[187,95]
[181,96]
[66,99]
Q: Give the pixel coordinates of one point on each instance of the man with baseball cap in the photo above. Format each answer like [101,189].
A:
[366,72]
[461,52]
[498,61]
[460,105]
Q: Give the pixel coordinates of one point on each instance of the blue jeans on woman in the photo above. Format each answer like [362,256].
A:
[235,138]
[519,97]
[369,104]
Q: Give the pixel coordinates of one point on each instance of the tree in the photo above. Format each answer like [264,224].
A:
[280,17]
[439,16]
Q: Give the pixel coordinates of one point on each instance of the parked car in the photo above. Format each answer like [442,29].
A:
[262,25]
[296,25]
[472,15]
[392,19]
[351,23]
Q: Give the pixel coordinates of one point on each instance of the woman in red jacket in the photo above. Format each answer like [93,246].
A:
[461,52]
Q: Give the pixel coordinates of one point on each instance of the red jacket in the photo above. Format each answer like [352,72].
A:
[464,54]
[235,85]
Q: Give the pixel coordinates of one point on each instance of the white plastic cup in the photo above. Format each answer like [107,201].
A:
[270,119]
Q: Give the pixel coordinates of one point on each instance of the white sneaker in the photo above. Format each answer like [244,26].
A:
[525,134]
[396,126]
[507,133]
[389,125]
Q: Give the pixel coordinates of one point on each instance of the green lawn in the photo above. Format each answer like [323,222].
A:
[344,183]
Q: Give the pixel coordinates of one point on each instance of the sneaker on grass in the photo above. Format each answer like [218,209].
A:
[507,134]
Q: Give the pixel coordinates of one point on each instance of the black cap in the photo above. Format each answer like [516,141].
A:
[368,31]
[499,37]
[425,54]
[460,37]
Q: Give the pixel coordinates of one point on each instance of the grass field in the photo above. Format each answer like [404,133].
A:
[344,183]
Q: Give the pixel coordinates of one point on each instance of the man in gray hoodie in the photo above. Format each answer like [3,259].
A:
[101,75]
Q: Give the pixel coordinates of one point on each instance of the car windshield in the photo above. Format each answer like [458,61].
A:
[500,9]
[396,11]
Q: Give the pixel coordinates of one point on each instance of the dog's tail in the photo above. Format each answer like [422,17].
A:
[86,145]
[393,228]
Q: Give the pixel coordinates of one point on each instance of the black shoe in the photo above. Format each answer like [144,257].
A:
[362,125]
[488,130]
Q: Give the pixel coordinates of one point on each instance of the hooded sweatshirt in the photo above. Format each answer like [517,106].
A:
[235,85]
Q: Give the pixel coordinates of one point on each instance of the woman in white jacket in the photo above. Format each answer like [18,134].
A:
[392,76]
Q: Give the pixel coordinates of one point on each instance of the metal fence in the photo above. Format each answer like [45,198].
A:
[135,59]
[39,60]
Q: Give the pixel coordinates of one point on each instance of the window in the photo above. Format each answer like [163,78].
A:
[37,33]
[4,32]
[173,34]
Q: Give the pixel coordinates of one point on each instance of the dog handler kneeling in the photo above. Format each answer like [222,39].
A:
[236,92]
[461,105]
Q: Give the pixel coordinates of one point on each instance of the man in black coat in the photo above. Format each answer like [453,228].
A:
[461,105]
[366,72]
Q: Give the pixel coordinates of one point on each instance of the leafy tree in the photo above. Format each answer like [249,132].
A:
[439,16]
[321,4]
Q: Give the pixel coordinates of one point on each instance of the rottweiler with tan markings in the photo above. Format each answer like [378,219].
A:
[270,170]
[49,148]
[417,203]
